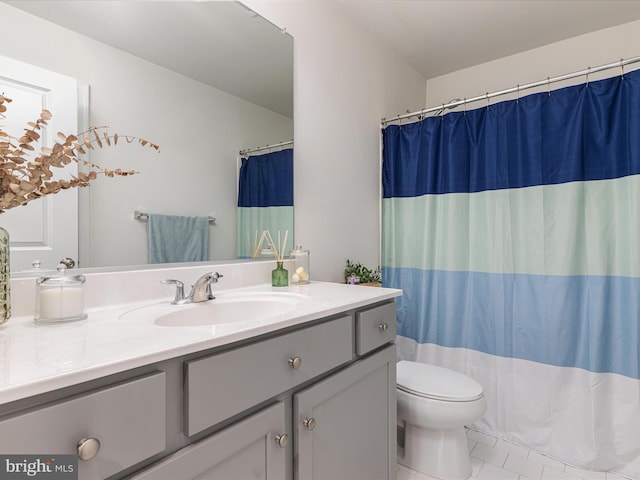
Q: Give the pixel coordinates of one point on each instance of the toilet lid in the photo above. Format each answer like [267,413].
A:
[435,382]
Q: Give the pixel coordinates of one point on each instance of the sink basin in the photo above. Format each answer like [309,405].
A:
[225,309]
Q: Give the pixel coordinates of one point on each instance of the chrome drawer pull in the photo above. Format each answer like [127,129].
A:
[295,362]
[88,448]
[282,440]
[383,327]
[309,423]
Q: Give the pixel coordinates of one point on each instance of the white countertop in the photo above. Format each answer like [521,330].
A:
[39,358]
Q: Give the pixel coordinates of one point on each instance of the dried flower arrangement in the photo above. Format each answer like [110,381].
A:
[23,180]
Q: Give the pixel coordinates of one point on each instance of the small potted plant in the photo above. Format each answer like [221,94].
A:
[356,273]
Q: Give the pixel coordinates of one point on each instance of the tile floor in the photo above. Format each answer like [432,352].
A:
[494,459]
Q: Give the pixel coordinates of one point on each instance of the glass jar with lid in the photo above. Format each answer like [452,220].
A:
[300,272]
[60,298]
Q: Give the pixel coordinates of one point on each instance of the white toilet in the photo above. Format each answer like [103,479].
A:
[435,404]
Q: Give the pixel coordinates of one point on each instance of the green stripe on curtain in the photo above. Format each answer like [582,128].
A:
[274,219]
[531,230]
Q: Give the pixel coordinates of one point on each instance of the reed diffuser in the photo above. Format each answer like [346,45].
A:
[279,276]
[257,244]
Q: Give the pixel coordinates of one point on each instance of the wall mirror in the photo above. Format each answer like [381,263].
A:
[204,80]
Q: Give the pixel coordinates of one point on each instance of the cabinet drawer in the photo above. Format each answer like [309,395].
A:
[222,385]
[128,419]
[375,327]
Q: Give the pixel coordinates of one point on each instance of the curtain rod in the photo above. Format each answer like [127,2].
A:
[246,152]
[455,103]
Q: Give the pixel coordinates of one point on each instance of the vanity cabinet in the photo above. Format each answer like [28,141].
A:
[338,377]
[314,401]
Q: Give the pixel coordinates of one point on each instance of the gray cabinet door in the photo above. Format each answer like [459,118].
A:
[247,450]
[345,425]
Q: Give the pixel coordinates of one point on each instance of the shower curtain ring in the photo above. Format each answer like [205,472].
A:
[464,103]
[549,85]
[518,93]
[622,67]
[487,97]
[588,71]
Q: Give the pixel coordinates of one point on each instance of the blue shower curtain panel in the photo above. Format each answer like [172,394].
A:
[265,198]
[514,232]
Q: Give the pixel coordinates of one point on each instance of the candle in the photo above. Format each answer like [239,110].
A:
[60,299]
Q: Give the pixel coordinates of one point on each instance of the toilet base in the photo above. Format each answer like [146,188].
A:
[438,453]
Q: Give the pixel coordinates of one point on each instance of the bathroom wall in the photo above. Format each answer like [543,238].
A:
[344,83]
[575,54]
[199,129]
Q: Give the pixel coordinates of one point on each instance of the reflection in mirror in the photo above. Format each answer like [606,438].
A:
[219,83]
[43,222]
[265,199]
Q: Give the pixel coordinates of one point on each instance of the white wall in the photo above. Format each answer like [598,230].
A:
[199,129]
[575,54]
[344,83]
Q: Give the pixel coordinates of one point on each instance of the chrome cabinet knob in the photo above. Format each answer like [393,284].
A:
[383,327]
[309,423]
[282,440]
[88,448]
[295,362]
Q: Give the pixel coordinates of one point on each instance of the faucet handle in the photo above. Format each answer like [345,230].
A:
[215,276]
[179,297]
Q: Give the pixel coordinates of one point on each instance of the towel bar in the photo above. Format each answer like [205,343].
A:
[138,215]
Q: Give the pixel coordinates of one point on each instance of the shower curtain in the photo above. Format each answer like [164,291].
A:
[265,199]
[514,232]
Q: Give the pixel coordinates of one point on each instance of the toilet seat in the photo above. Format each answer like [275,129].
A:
[437,383]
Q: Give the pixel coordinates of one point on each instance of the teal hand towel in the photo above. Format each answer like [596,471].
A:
[177,238]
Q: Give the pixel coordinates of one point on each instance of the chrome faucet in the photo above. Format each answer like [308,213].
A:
[200,291]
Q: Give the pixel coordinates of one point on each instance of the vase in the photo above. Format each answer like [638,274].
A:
[5,285]
[280,276]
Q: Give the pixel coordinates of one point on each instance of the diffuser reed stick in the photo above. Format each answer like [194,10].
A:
[278,250]
[284,244]
[257,245]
